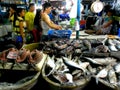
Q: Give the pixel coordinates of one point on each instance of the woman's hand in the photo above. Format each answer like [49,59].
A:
[59,27]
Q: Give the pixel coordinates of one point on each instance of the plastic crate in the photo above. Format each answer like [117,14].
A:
[59,33]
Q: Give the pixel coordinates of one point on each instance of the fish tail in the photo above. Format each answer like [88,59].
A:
[96,80]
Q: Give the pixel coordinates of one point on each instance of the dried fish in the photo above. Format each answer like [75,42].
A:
[35,56]
[22,55]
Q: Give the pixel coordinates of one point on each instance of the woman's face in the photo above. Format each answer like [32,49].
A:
[109,13]
[22,13]
[12,10]
[48,9]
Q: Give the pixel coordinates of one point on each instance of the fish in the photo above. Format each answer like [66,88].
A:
[77,51]
[117,68]
[87,44]
[69,77]
[61,77]
[118,47]
[101,61]
[76,72]
[110,42]
[103,73]
[112,48]
[101,49]
[115,41]
[22,55]
[81,66]
[35,56]
[50,61]
[71,63]
[60,47]
[112,76]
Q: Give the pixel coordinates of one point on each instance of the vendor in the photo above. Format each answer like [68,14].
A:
[46,23]
[106,27]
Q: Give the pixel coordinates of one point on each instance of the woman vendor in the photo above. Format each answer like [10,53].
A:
[106,27]
[46,23]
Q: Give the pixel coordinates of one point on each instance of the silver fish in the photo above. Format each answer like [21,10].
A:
[103,73]
[101,61]
[117,68]
[76,72]
[112,76]
[115,41]
[73,64]
[118,47]
[112,48]
[87,44]
[69,77]
[61,77]
[110,42]
[50,61]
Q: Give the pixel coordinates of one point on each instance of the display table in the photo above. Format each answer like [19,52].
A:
[83,35]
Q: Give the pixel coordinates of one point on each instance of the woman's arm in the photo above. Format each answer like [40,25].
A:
[108,23]
[50,23]
[22,30]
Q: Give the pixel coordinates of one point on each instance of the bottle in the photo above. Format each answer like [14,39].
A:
[77,28]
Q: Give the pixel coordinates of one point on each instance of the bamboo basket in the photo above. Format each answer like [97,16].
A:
[25,83]
[20,79]
[56,86]
[111,86]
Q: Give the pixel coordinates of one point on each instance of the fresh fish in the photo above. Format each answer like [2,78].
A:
[77,76]
[112,77]
[117,68]
[115,41]
[101,61]
[61,77]
[112,48]
[51,64]
[60,47]
[50,61]
[72,64]
[69,77]
[87,44]
[77,44]
[101,49]
[78,51]
[76,72]
[103,73]
[118,47]
[110,42]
